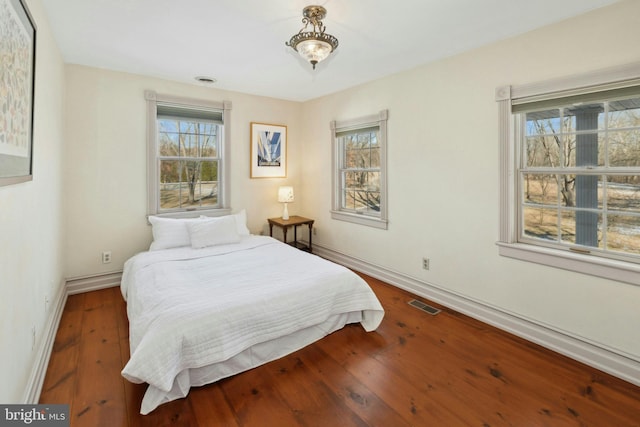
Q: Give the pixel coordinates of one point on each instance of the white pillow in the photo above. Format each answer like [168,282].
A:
[213,231]
[241,222]
[170,232]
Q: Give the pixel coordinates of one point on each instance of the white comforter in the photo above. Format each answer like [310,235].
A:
[199,315]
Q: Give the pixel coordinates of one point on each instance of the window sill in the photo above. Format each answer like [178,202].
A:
[360,219]
[194,213]
[586,264]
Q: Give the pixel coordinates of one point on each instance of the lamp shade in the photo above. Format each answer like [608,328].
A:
[285,194]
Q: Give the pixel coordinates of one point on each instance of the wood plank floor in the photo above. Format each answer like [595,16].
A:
[415,370]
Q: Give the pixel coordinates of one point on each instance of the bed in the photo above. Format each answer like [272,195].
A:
[200,312]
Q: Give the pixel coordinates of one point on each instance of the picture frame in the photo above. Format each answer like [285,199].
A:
[18,35]
[268,150]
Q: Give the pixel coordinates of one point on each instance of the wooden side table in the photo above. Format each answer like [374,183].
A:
[293,221]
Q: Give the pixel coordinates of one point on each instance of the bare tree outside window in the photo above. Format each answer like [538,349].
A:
[188,155]
[361,171]
[580,175]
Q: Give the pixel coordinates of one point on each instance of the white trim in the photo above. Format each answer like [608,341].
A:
[612,361]
[152,164]
[621,271]
[225,165]
[507,156]
[95,282]
[613,77]
[41,362]
[361,219]
[193,214]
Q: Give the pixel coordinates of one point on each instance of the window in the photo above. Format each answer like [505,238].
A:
[359,170]
[187,147]
[571,175]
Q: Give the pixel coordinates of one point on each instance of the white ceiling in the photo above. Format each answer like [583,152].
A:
[241,43]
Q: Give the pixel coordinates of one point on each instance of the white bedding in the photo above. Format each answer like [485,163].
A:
[199,315]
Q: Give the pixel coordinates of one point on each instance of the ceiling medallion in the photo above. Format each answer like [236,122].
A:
[314,46]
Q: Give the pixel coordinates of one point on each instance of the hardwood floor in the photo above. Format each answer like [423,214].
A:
[415,370]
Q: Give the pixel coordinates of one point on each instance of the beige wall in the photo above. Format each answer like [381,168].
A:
[105,180]
[443,177]
[32,226]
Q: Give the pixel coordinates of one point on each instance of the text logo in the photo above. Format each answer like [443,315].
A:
[34,415]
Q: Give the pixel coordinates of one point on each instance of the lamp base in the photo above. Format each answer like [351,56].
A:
[285,213]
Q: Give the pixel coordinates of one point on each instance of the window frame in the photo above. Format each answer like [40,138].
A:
[508,241]
[153,170]
[360,123]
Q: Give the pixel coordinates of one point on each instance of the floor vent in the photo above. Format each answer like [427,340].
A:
[424,307]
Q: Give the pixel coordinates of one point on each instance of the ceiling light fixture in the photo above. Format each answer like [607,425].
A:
[314,46]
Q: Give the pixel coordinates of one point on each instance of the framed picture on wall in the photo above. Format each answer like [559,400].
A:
[268,151]
[17,68]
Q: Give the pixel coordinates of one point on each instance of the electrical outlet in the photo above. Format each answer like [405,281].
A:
[425,263]
[33,338]
[315,231]
[106,257]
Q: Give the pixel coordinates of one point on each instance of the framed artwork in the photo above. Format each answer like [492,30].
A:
[268,151]
[17,68]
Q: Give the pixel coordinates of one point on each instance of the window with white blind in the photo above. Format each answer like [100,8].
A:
[571,176]
[359,170]
[187,155]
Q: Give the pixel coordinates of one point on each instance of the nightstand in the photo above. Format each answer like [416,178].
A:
[293,221]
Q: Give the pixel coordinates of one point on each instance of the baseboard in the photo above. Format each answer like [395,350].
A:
[43,354]
[608,360]
[79,285]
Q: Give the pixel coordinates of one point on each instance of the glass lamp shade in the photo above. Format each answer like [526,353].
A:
[314,50]
[285,194]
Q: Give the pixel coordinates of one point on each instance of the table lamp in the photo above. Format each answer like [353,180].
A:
[285,195]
